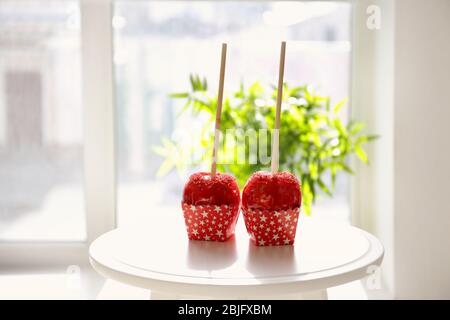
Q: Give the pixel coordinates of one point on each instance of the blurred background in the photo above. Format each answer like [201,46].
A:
[157,45]
[41,122]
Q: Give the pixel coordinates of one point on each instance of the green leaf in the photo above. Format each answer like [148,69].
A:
[361,154]
[313,170]
[185,107]
[324,188]
[167,142]
[179,95]
[196,83]
[255,90]
[193,82]
[363,139]
[160,151]
[306,208]
[339,105]
[339,127]
[346,168]
[165,168]
[295,92]
[307,197]
[356,127]
[333,170]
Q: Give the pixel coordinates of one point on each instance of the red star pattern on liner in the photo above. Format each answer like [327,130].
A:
[272,228]
[210,222]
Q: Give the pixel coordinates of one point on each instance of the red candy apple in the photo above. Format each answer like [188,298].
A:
[211,200]
[204,189]
[271,204]
[271,191]
[271,200]
[210,206]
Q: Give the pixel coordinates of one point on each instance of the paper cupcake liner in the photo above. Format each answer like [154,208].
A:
[209,222]
[271,228]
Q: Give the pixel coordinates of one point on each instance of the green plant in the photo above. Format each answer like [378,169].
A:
[315,144]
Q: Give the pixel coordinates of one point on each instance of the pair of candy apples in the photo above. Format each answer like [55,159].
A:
[270,206]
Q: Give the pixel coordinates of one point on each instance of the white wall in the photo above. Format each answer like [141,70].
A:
[402,90]
[422,149]
[372,102]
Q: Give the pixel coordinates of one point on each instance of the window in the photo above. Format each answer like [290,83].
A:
[157,44]
[41,122]
[52,152]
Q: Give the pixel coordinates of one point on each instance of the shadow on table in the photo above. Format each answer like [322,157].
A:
[270,261]
[211,255]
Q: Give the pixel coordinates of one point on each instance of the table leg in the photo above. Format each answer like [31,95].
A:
[310,295]
[314,295]
[155,295]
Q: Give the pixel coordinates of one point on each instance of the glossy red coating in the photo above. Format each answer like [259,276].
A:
[271,191]
[202,189]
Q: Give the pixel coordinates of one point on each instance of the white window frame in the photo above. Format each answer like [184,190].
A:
[99,149]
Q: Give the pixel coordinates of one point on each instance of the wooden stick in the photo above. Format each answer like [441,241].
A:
[219,109]
[276,130]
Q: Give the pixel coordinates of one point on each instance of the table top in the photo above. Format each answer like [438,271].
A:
[156,254]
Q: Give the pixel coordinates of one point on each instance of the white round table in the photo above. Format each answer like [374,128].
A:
[157,255]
